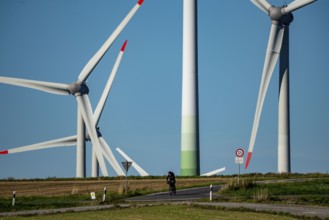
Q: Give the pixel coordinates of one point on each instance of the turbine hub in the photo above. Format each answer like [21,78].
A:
[276,14]
[77,88]
[74,87]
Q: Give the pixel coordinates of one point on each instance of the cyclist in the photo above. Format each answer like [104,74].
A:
[171,181]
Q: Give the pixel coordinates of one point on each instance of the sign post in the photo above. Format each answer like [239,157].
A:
[239,160]
[126,165]
[104,195]
[14,198]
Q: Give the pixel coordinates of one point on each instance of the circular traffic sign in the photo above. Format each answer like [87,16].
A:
[239,152]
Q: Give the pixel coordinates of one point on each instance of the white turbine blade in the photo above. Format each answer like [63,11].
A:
[272,54]
[264,4]
[140,170]
[62,142]
[100,53]
[297,4]
[260,6]
[214,172]
[85,109]
[100,106]
[56,88]
[110,157]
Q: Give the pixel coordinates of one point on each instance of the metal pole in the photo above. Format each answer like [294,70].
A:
[14,198]
[239,176]
[211,189]
[104,195]
[126,185]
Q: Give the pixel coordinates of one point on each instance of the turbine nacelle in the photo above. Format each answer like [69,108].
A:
[99,134]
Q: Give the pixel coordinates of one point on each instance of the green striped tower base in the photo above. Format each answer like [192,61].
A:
[190,165]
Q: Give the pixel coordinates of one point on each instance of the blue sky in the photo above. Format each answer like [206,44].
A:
[53,40]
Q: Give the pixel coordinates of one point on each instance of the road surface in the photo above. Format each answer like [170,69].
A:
[192,195]
[181,195]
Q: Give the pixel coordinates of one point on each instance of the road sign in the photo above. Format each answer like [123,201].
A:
[239,160]
[126,164]
[93,195]
[239,152]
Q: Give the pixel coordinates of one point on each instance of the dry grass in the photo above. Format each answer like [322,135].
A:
[60,188]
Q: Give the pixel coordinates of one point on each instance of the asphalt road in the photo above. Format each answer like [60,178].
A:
[192,195]
[181,195]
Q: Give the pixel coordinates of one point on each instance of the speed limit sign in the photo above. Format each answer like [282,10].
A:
[239,152]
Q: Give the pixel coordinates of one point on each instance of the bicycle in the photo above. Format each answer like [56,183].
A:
[172,188]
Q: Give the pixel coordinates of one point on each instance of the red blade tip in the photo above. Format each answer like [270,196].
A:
[124,46]
[4,152]
[140,2]
[248,159]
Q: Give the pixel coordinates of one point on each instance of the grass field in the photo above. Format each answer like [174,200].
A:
[61,187]
[43,194]
[164,212]
[307,192]
[57,193]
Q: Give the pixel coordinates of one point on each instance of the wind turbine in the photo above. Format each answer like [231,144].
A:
[80,90]
[72,140]
[278,44]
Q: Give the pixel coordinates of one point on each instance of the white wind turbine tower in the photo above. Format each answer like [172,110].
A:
[190,159]
[80,90]
[72,140]
[278,44]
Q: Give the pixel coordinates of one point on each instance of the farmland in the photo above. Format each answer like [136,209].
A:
[52,193]
[61,187]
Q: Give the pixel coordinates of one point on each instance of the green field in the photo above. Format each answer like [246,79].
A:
[310,189]
[306,192]
[164,212]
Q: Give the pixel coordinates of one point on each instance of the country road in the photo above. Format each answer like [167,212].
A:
[194,194]
[181,195]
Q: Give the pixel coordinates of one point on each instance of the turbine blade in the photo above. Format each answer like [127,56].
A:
[56,88]
[100,53]
[85,109]
[264,4]
[297,4]
[260,6]
[61,142]
[110,157]
[214,172]
[272,54]
[100,106]
[140,170]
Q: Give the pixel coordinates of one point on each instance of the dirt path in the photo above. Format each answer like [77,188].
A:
[297,210]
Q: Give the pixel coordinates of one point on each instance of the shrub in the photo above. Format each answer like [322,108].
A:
[244,183]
